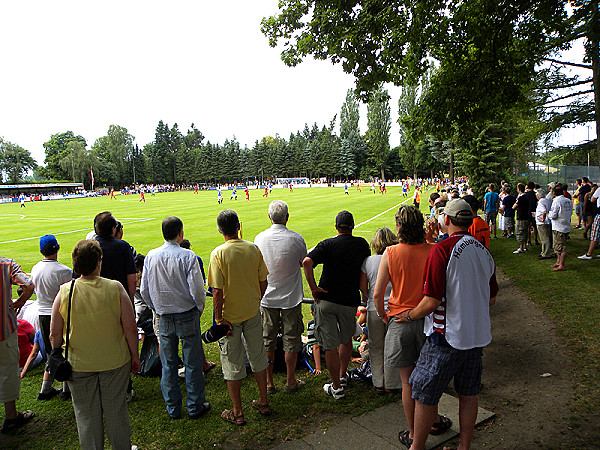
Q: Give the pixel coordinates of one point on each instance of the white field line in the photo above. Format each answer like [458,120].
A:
[70,232]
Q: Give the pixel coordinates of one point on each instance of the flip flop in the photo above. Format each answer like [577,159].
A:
[264,410]
[229,416]
[441,427]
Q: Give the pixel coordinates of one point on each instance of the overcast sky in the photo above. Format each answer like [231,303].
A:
[82,66]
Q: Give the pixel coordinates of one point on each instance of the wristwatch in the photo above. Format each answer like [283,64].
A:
[408,319]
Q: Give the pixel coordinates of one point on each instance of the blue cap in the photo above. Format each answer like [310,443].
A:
[48,242]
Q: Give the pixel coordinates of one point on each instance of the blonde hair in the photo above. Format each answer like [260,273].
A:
[383,238]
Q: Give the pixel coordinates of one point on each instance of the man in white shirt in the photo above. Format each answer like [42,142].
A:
[47,276]
[173,287]
[543,223]
[560,215]
[283,251]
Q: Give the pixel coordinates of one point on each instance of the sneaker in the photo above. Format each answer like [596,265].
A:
[335,393]
[130,396]
[586,256]
[205,409]
[50,394]
[517,251]
[344,381]
[65,395]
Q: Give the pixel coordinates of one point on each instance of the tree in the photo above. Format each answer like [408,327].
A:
[351,145]
[378,133]
[56,149]
[117,148]
[15,162]
[488,52]
[78,161]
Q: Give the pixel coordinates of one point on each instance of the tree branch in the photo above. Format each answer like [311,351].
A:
[575,94]
[562,86]
[565,63]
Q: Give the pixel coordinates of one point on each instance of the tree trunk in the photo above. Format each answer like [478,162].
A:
[594,39]
[452,163]
[382,173]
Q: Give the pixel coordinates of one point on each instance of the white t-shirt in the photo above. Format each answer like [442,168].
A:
[543,206]
[283,251]
[47,276]
[596,195]
[370,266]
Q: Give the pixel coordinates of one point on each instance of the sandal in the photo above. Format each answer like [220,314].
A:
[441,427]
[404,439]
[265,410]
[380,390]
[229,416]
[295,386]
[23,418]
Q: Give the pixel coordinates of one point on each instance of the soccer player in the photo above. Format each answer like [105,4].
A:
[266,194]
[247,194]
[233,194]
[142,198]
[346,189]
[112,194]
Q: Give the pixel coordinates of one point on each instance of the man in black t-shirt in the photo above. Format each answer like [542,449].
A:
[522,228]
[532,202]
[337,296]
[117,256]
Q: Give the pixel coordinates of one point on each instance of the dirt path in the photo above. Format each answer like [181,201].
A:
[532,407]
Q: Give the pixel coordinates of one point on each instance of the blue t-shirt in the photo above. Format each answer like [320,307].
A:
[491,199]
[40,341]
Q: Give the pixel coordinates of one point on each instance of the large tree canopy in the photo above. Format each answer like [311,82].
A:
[488,52]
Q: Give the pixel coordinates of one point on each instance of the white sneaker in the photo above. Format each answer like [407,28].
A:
[517,251]
[585,256]
[344,381]
[335,393]
[129,396]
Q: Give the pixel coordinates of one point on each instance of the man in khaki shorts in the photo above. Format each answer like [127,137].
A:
[337,296]
[283,251]
[238,275]
[560,214]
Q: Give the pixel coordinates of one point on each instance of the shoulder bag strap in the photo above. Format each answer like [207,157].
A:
[69,320]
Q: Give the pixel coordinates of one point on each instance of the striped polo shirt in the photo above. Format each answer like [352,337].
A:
[10,273]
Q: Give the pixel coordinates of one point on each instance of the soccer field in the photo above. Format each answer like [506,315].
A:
[312,214]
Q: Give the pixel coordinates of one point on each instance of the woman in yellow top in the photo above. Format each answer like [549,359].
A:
[103,349]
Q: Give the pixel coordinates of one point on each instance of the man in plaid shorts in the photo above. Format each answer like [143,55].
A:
[459,288]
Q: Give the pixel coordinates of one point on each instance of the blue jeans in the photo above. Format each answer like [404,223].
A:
[172,328]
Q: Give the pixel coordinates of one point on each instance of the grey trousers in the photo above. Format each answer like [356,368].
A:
[545,237]
[383,376]
[99,396]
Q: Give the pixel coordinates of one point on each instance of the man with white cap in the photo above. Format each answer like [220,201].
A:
[459,288]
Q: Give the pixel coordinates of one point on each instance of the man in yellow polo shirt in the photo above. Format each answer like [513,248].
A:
[238,275]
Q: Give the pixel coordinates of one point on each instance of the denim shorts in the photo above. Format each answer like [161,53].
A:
[438,364]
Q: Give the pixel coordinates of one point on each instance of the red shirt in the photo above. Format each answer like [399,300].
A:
[25,334]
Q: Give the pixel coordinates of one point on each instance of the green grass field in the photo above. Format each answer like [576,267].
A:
[312,213]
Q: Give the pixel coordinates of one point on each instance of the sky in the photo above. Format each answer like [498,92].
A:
[83,66]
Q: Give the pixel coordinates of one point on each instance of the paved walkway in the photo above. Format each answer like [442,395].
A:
[379,429]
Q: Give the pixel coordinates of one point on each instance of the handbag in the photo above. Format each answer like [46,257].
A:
[58,365]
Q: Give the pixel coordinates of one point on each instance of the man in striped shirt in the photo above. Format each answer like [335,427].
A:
[11,273]
[459,288]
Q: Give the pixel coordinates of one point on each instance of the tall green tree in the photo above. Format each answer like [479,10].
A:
[15,162]
[56,149]
[352,148]
[77,162]
[116,147]
[378,134]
